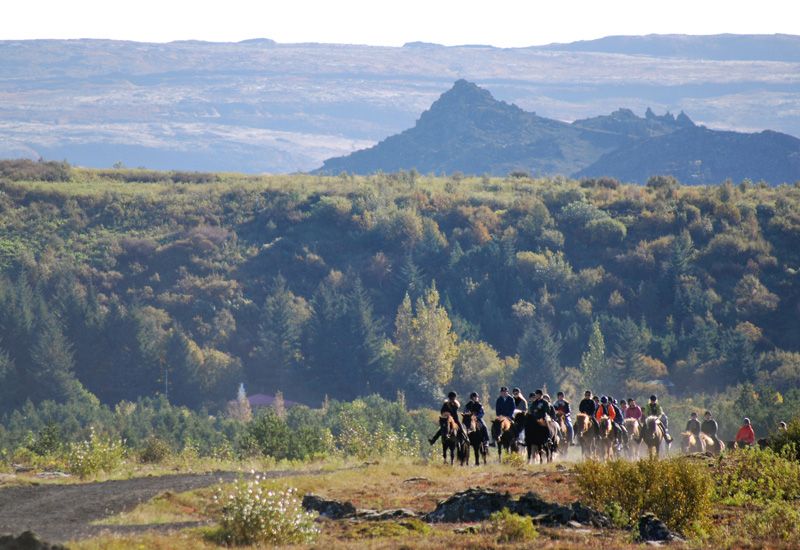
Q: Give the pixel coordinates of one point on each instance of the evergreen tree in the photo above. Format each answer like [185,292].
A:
[330,348]
[278,354]
[539,355]
[594,365]
[366,335]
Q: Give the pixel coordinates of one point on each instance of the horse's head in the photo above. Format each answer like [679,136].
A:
[606,427]
[467,420]
[581,423]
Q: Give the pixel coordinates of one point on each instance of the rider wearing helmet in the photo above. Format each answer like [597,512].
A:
[538,407]
[619,420]
[451,406]
[562,406]
[475,407]
[693,425]
[653,408]
[520,403]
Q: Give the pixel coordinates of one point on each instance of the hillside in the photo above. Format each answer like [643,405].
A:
[260,106]
[129,290]
[467,130]
[699,155]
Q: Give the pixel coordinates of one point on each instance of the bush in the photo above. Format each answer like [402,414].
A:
[787,443]
[778,520]
[510,527]
[155,450]
[253,513]
[757,475]
[97,454]
[677,491]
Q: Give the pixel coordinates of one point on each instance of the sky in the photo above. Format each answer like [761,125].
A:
[502,23]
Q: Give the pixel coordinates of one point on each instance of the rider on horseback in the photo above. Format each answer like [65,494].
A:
[619,420]
[538,407]
[654,409]
[520,403]
[562,406]
[710,427]
[504,406]
[607,409]
[693,425]
[451,406]
[475,407]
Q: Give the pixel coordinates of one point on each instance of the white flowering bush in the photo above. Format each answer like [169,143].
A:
[252,512]
[93,455]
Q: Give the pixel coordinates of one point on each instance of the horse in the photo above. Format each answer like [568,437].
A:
[653,435]
[505,435]
[475,436]
[713,446]
[564,433]
[541,433]
[586,434]
[691,443]
[449,430]
[606,438]
[634,437]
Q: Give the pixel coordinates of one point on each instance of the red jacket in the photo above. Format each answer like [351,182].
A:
[601,412]
[634,412]
[746,435]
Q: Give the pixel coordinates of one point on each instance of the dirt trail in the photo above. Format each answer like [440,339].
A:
[58,513]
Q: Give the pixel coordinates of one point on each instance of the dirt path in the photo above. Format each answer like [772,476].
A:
[58,513]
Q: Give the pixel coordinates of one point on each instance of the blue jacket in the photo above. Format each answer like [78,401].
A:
[505,406]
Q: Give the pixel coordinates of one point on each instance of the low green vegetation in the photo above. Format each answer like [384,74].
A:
[511,528]
[678,491]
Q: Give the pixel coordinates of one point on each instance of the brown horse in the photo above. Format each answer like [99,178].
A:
[690,443]
[475,436]
[563,447]
[715,447]
[653,435]
[634,437]
[449,430]
[586,434]
[605,440]
[505,435]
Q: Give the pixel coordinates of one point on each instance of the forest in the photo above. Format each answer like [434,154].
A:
[123,285]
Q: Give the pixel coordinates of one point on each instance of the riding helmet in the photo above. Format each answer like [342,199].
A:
[452,395]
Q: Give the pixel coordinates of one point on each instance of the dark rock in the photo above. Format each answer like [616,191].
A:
[589,516]
[653,529]
[470,505]
[332,509]
[26,541]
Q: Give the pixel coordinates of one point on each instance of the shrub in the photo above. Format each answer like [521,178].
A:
[97,454]
[757,475]
[155,450]
[787,443]
[510,527]
[254,513]
[677,491]
[778,520]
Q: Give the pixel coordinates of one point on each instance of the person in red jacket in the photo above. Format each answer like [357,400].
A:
[745,437]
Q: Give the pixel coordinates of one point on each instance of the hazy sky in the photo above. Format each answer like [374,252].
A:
[505,23]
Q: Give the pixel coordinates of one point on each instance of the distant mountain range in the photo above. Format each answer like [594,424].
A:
[262,106]
[467,130]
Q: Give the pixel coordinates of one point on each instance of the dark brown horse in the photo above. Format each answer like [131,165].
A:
[505,435]
[541,434]
[605,439]
[449,430]
[586,434]
[653,435]
[475,436]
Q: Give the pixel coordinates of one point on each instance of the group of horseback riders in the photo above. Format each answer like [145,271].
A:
[619,418]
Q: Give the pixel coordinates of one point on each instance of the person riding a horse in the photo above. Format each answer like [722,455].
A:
[450,406]
[693,425]
[633,411]
[653,408]
[606,408]
[745,437]
[562,406]
[619,420]
[520,403]
[504,406]
[710,427]
[475,407]
[538,407]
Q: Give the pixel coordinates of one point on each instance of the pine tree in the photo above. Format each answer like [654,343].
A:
[366,335]
[594,365]
[539,355]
